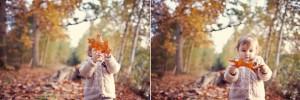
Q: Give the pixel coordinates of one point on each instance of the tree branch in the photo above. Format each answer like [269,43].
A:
[78,22]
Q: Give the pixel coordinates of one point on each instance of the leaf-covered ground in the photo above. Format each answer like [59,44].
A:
[184,87]
[28,83]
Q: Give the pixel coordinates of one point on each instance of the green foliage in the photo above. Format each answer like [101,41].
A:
[289,75]
[218,64]
[73,60]
[140,73]
[54,51]
[81,49]
[201,59]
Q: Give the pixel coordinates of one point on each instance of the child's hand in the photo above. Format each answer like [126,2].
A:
[232,70]
[258,63]
[107,55]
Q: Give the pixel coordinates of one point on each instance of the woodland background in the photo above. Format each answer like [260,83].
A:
[184,62]
[37,61]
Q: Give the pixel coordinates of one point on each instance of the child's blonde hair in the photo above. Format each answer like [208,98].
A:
[248,39]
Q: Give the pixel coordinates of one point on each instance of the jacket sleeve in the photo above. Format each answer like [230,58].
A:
[87,68]
[112,65]
[264,72]
[230,77]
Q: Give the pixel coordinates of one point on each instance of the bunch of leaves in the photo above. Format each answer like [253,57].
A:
[99,46]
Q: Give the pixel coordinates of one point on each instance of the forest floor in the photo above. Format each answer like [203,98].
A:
[33,83]
[184,87]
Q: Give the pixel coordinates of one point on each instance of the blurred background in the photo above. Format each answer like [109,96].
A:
[192,41]
[43,43]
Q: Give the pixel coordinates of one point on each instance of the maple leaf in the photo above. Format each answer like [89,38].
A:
[242,63]
[99,46]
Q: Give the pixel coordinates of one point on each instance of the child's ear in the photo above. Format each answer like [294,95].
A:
[257,49]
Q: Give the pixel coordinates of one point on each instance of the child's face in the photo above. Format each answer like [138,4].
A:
[247,51]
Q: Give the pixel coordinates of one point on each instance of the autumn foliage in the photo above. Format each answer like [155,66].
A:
[101,46]
[241,63]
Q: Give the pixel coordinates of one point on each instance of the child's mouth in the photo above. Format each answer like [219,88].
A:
[247,58]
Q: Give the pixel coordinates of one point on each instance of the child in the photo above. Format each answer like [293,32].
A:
[247,84]
[98,72]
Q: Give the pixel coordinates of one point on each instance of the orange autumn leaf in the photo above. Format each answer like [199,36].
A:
[99,46]
[241,63]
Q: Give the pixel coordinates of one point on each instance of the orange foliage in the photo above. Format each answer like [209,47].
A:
[241,63]
[99,46]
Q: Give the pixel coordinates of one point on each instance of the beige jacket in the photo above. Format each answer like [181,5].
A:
[248,84]
[98,79]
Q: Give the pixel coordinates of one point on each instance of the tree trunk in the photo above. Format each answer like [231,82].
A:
[135,40]
[35,45]
[189,63]
[185,58]
[124,35]
[45,52]
[3,52]
[187,54]
[179,45]
[279,43]
[268,42]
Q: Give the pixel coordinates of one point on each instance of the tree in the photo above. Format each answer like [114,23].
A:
[285,24]
[41,18]
[187,22]
[124,35]
[3,56]
[135,38]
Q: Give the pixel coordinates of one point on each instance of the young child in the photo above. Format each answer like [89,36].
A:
[98,72]
[248,84]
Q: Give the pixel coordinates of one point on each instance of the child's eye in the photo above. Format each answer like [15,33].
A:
[251,50]
[244,50]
